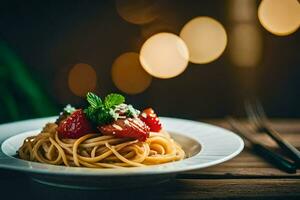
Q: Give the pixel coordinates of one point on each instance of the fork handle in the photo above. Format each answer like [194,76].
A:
[274,159]
[288,149]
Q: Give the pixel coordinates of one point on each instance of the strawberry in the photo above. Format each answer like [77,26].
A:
[150,118]
[130,127]
[74,126]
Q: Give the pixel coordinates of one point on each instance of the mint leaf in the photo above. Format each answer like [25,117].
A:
[104,117]
[99,116]
[103,112]
[90,113]
[94,100]
[112,100]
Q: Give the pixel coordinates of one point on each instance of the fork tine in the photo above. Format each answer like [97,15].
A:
[270,156]
[257,115]
[260,110]
[252,116]
[249,110]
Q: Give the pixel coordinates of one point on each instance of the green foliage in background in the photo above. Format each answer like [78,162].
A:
[15,78]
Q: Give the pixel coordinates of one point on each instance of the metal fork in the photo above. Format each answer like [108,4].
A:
[259,119]
[269,155]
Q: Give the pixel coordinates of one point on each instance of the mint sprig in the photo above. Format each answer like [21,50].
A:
[100,112]
[112,100]
[93,100]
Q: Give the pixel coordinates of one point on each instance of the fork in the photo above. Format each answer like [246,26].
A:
[259,119]
[270,156]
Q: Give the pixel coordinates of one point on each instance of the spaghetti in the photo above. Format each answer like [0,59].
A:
[95,150]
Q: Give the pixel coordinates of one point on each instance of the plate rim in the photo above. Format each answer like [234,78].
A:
[39,168]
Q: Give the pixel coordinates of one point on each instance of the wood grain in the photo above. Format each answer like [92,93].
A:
[247,176]
[235,188]
[244,165]
[248,164]
[281,125]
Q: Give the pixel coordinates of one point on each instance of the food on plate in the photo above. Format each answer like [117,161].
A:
[106,134]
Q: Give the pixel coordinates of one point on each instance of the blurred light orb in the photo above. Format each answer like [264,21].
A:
[245,45]
[280,17]
[164,55]
[138,11]
[205,38]
[128,75]
[82,79]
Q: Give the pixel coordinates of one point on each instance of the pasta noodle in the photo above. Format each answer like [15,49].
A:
[99,151]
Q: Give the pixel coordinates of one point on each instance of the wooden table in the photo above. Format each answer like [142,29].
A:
[247,176]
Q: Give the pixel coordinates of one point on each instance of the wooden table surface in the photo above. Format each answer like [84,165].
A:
[247,176]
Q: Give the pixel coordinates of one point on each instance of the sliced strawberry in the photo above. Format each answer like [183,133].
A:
[75,125]
[130,127]
[150,118]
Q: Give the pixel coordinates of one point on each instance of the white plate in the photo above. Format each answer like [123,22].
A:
[207,145]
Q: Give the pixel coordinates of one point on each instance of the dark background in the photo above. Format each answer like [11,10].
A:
[49,37]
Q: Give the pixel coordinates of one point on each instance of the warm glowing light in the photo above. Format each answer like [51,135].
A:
[205,38]
[82,79]
[137,11]
[164,55]
[280,17]
[128,74]
[245,45]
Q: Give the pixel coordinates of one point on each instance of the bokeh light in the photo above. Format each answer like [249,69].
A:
[205,38]
[164,55]
[137,11]
[245,45]
[280,17]
[82,79]
[128,75]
